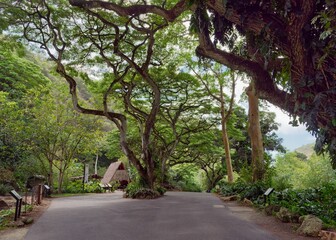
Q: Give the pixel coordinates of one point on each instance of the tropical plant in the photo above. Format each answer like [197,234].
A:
[293,171]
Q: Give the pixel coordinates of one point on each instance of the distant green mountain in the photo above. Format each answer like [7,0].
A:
[307,149]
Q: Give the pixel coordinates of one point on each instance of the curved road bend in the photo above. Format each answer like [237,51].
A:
[177,216]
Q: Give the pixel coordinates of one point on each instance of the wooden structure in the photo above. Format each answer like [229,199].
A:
[116,172]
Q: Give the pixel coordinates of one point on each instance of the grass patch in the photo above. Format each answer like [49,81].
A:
[6,216]
[56,195]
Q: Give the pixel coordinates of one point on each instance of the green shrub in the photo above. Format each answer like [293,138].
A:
[90,187]
[5,217]
[188,186]
[135,190]
[161,190]
[184,177]
[229,189]
[146,193]
[292,171]
[132,188]
[317,201]
[320,201]
[251,191]
[245,174]
[94,187]
[4,189]
[74,187]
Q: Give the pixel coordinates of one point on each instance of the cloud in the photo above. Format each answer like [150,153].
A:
[293,137]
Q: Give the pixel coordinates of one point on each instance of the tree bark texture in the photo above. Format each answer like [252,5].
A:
[51,175]
[254,130]
[225,139]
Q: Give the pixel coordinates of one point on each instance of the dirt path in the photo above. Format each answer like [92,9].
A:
[20,233]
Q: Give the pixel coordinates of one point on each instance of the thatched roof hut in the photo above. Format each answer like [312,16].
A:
[116,172]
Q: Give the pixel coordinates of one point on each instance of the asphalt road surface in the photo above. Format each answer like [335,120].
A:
[176,216]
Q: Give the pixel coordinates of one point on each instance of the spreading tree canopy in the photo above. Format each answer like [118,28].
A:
[288,49]
[286,46]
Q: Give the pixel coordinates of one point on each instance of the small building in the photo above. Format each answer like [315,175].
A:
[116,172]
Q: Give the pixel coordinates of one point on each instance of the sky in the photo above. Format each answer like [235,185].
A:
[293,137]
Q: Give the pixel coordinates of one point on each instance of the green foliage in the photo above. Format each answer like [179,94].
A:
[5,217]
[90,187]
[315,175]
[12,119]
[160,189]
[188,186]
[292,171]
[17,73]
[6,176]
[136,190]
[4,189]
[184,177]
[132,188]
[94,187]
[19,77]
[145,193]
[113,141]
[306,186]
[241,156]
[251,191]
[245,173]
[74,187]
[317,201]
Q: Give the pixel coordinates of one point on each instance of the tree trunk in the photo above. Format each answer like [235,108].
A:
[60,178]
[227,153]
[146,172]
[96,165]
[60,181]
[226,139]
[163,172]
[50,175]
[150,174]
[255,134]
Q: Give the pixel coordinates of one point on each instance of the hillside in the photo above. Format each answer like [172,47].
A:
[307,149]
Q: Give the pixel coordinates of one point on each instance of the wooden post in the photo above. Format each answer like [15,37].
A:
[26,201]
[32,195]
[39,193]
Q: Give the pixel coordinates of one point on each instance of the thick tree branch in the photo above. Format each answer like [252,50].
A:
[126,11]
[256,21]
[264,83]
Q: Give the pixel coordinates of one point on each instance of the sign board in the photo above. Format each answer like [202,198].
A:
[269,191]
[46,187]
[18,199]
[15,195]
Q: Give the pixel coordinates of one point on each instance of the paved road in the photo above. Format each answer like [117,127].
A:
[177,216]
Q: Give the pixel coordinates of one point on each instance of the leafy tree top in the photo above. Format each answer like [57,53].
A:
[288,46]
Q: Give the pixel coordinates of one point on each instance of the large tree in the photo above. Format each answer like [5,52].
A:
[242,155]
[214,78]
[19,76]
[288,46]
[289,49]
[205,151]
[58,135]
